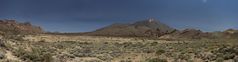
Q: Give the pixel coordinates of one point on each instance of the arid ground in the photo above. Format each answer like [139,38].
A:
[63,48]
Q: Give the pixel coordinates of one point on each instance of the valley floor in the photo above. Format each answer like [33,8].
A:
[59,48]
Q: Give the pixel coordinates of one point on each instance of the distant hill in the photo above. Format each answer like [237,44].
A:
[229,33]
[198,34]
[144,28]
[13,27]
[188,34]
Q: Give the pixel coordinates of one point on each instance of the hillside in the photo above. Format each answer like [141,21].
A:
[14,27]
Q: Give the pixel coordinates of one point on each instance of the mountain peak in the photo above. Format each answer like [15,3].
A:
[151,20]
[147,22]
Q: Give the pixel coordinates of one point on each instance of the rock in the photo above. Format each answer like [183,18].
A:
[236,59]
[2,55]
[2,44]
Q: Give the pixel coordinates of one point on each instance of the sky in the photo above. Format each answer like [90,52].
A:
[89,15]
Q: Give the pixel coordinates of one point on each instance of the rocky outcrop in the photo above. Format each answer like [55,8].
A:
[13,27]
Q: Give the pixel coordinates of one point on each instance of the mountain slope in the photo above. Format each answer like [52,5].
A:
[13,27]
[142,28]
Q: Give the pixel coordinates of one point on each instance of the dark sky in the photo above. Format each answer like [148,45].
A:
[88,15]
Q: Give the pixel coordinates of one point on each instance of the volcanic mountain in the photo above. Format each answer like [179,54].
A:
[144,28]
[13,27]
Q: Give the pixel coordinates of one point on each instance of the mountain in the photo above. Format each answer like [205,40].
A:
[13,27]
[144,28]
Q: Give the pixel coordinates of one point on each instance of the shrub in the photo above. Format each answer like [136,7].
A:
[219,59]
[48,57]
[36,55]
[153,43]
[125,61]
[157,60]
[228,56]
[159,52]
[184,56]
[43,40]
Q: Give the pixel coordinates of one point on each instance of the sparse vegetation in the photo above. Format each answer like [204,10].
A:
[156,60]
[114,49]
[160,51]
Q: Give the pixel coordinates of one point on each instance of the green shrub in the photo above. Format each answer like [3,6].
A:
[48,57]
[160,51]
[153,43]
[228,56]
[219,59]
[125,61]
[184,56]
[156,60]
[36,55]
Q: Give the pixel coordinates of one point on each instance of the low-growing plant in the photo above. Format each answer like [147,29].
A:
[160,51]
[228,56]
[36,55]
[125,61]
[156,60]
[220,59]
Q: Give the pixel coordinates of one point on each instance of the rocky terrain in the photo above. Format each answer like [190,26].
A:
[14,27]
[106,45]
